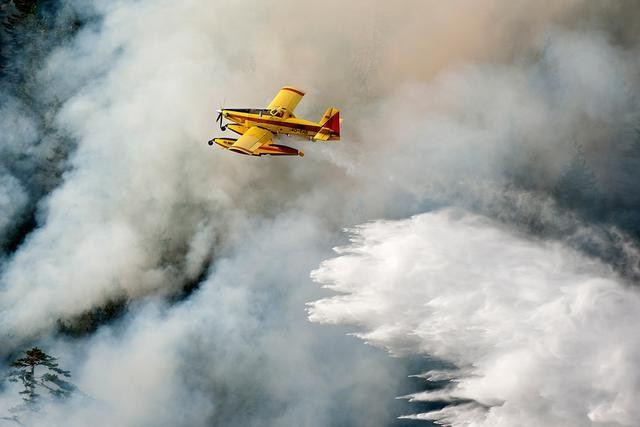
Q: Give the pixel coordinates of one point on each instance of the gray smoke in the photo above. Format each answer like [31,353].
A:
[517,111]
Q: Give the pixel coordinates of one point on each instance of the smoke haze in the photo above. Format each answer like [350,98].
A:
[173,278]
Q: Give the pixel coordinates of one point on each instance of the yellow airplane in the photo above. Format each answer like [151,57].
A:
[258,126]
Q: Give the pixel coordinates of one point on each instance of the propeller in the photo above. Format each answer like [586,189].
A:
[219,118]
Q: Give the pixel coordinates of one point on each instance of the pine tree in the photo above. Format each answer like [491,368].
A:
[26,370]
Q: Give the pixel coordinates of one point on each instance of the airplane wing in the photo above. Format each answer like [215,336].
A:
[257,142]
[288,98]
[252,140]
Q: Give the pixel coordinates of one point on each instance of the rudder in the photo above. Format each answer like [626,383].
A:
[330,125]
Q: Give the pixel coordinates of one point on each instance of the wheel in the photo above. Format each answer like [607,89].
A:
[210,142]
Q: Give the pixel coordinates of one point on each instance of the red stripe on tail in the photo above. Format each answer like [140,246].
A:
[334,124]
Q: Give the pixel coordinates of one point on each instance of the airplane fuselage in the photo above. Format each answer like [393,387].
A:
[244,119]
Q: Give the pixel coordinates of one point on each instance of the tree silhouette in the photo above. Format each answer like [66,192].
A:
[37,371]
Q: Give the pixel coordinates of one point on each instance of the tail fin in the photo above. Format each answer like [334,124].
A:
[330,125]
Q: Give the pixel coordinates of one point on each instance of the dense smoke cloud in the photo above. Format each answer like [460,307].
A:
[134,182]
[34,149]
[539,334]
[238,352]
[502,108]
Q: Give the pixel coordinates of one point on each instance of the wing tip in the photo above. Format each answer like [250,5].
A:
[293,89]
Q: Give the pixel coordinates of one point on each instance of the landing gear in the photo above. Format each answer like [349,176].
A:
[210,142]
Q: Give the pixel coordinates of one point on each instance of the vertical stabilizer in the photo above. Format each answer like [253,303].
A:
[330,126]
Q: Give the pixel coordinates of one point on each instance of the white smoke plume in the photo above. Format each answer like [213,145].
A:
[539,334]
[435,114]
